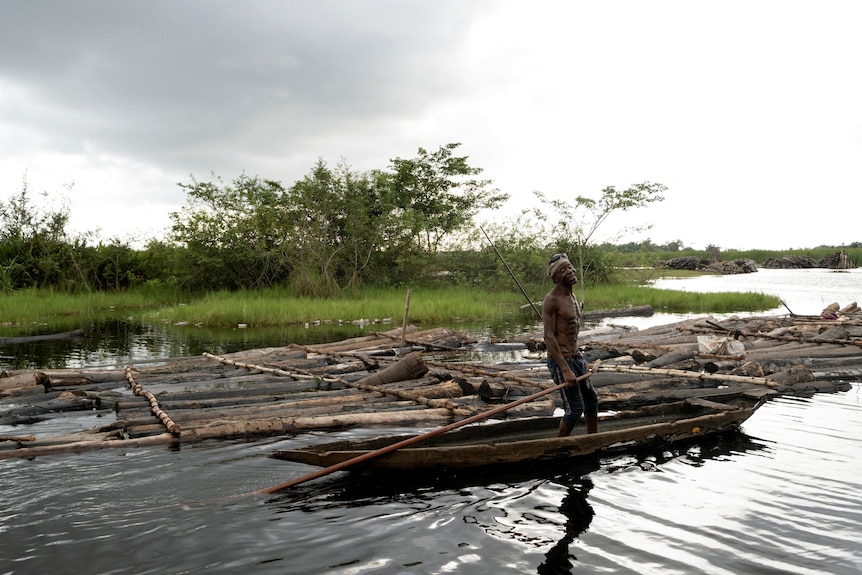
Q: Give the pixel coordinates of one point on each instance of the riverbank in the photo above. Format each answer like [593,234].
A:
[33,311]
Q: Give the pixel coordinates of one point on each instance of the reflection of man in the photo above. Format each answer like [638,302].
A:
[561,317]
[578,514]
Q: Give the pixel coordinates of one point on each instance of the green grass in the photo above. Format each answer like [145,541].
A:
[670,301]
[35,306]
[433,305]
[279,307]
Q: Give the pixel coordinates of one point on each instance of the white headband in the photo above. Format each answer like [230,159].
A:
[555,265]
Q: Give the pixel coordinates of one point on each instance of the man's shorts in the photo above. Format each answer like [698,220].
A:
[577,400]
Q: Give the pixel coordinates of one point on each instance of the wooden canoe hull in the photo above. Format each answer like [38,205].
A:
[534,439]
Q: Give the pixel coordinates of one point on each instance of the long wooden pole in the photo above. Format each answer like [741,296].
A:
[508,269]
[412,440]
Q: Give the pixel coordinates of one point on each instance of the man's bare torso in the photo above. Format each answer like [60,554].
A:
[566,322]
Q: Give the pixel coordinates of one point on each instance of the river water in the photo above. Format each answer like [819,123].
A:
[783,496]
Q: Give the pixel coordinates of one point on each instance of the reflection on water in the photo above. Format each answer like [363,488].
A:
[115,342]
[123,342]
[578,513]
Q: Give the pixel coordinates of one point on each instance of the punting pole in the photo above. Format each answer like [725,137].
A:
[411,440]
[508,269]
[788,309]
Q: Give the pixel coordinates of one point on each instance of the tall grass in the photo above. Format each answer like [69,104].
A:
[669,301]
[40,306]
[435,305]
[279,307]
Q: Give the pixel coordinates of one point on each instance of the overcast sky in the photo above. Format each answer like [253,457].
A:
[750,112]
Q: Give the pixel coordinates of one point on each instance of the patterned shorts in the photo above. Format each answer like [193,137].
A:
[577,400]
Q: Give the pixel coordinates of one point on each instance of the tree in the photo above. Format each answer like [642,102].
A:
[575,225]
[437,194]
[313,208]
[367,224]
[116,265]
[333,227]
[714,252]
[673,246]
[234,234]
[34,250]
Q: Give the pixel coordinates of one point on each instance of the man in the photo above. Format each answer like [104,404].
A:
[561,317]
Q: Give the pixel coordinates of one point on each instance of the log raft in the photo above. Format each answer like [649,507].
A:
[374,381]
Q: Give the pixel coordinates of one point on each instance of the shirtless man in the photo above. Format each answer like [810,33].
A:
[561,317]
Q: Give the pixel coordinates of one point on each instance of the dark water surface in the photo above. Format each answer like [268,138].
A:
[782,496]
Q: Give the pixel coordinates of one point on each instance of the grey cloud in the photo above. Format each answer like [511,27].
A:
[159,80]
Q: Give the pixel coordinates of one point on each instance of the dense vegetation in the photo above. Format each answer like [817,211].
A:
[337,232]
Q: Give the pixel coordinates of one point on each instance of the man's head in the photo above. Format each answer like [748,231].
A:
[556,262]
[560,270]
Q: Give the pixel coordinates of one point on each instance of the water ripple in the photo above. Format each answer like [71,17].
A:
[782,497]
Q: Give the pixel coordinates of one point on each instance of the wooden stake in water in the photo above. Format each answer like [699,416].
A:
[404,323]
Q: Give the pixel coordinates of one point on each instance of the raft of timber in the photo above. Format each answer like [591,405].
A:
[421,379]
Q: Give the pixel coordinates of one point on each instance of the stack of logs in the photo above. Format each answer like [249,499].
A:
[373,381]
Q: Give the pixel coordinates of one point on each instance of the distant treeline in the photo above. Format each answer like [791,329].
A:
[413,223]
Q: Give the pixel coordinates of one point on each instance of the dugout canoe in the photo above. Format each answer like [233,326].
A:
[534,439]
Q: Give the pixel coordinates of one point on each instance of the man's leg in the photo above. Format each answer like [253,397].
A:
[573,407]
[591,406]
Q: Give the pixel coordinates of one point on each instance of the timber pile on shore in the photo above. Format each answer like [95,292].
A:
[418,379]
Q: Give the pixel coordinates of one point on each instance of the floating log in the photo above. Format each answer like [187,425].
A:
[806,350]
[226,398]
[691,375]
[18,380]
[24,391]
[631,311]
[493,391]
[42,337]
[286,421]
[840,373]
[623,400]
[170,425]
[835,334]
[791,376]
[408,367]
[684,353]
[439,338]
[74,444]
[368,382]
[38,407]
[269,426]
[502,374]
[325,400]
[17,438]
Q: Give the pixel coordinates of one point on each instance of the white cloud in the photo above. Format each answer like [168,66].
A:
[748,112]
